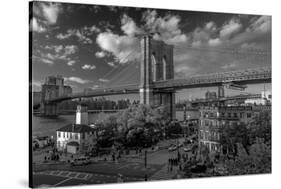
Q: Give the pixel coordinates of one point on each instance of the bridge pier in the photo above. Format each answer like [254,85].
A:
[156,65]
[49,109]
[220,91]
[156,99]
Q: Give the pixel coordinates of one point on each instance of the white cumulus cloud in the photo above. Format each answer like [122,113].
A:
[51,11]
[77,80]
[100,54]
[88,67]
[230,28]
[36,26]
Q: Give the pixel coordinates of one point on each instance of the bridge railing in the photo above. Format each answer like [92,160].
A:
[217,78]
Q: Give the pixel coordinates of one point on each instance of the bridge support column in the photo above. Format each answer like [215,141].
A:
[146,96]
[220,91]
[49,109]
[154,99]
[168,99]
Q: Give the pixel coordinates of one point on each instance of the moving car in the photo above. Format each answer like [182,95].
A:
[80,161]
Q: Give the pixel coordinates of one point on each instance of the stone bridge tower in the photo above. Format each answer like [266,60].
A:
[52,88]
[156,66]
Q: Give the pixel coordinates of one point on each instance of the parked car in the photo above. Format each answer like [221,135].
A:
[80,161]
[172,148]
[187,149]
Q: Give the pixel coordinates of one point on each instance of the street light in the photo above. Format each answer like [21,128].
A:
[145,164]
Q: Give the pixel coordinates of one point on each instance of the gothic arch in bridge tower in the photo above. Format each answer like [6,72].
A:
[164,68]
[153,67]
[156,66]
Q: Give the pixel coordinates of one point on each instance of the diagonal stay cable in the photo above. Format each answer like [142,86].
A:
[117,67]
[117,77]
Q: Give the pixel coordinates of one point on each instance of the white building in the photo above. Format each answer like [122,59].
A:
[264,99]
[78,137]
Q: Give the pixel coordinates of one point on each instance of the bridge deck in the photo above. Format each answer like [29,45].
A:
[249,76]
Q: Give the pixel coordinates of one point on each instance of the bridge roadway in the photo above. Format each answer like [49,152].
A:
[249,76]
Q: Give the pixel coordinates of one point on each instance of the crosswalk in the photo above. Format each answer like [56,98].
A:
[92,177]
[68,174]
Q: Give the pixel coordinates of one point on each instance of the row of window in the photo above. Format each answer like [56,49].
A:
[236,115]
[209,123]
[68,135]
[211,146]
[210,136]
[226,115]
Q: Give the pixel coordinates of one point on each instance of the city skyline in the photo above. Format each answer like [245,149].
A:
[84,43]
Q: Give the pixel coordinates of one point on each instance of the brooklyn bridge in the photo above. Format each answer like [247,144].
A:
[157,84]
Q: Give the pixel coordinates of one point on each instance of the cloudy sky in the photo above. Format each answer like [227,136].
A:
[96,46]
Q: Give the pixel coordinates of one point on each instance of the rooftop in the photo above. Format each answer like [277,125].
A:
[76,128]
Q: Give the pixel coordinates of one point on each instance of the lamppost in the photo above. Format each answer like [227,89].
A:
[145,164]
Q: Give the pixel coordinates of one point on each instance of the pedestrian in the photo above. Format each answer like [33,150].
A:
[120,178]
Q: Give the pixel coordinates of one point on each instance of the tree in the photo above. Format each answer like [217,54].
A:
[233,133]
[173,129]
[257,161]
[260,127]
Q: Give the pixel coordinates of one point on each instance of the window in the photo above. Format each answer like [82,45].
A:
[201,134]
[235,115]
[249,115]
[229,115]
[241,114]
[63,134]
[206,123]
[76,136]
[58,134]
[83,135]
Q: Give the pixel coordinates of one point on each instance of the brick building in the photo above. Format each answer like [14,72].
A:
[212,119]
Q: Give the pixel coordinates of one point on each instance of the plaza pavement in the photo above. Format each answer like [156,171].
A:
[131,166]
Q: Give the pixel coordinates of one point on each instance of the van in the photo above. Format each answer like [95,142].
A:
[80,161]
